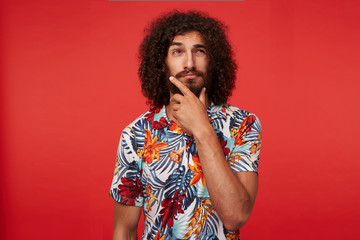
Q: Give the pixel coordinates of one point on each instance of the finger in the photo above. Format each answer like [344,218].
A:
[176,108]
[202,96]
[176,98]
[184,89]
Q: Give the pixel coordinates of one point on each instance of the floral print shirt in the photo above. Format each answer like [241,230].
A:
[158,168]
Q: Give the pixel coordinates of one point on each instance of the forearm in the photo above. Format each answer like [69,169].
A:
[226,191]
[124,234]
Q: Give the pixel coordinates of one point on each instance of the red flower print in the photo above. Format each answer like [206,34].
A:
[159,124]
[150,116]
[171,207]
[248,121]
[223,146]
[130,190]
[223,110]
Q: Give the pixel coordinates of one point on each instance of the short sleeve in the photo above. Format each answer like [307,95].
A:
[126,186]
[245,143]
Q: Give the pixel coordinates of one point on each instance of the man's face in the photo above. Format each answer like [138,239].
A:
[187,60]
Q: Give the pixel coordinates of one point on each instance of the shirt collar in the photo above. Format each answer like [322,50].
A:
[213,110]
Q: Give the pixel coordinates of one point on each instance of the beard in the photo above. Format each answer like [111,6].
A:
[191,83]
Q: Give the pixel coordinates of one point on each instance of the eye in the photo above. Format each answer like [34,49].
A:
[175,51]
[200,51]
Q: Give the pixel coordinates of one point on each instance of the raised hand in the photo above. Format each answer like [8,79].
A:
[188,111]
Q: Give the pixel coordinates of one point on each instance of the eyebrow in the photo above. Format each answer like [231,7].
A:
[180,44]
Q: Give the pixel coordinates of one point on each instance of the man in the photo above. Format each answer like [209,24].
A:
[191,161]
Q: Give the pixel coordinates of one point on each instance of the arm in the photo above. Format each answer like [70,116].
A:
[126,220]
[239,189]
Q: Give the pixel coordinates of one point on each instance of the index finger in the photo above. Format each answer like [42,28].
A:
[184,89]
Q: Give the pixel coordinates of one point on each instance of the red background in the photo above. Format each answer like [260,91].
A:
[69,86]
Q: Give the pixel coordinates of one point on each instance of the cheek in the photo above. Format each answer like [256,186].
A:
[205,66]
[203,63]
[174,67]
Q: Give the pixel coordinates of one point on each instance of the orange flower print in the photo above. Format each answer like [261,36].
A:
[151,148]
[233,236]
[254,147]
[116,166]
[175,128]
[234,157]
[199,218]
[175,155]
[151,198]
[239,140]
[197,170]
[157,236]
[245,127]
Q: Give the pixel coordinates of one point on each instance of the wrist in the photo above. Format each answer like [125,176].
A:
[206,131]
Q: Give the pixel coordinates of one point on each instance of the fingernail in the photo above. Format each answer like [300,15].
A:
[171,78]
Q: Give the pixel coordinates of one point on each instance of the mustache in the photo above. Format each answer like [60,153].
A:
[183,73]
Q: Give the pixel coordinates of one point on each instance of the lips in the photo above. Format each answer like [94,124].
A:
[189,76]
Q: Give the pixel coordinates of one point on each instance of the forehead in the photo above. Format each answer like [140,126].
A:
[191,37]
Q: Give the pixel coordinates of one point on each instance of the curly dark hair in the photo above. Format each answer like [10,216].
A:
[154,48]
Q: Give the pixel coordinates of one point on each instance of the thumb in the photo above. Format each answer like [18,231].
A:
[202,96]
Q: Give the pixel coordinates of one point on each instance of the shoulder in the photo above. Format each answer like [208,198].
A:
[239,117]
[237,112]
[138,123]
[152,119]
[232,112]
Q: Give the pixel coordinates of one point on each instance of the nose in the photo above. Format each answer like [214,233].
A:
[189,61]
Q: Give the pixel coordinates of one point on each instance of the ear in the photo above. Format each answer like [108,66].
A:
[163,69]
